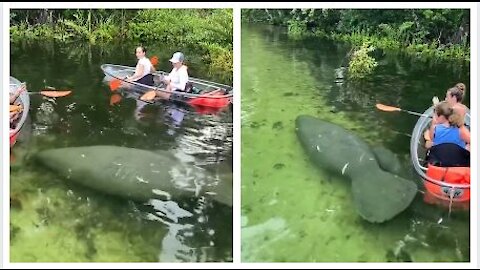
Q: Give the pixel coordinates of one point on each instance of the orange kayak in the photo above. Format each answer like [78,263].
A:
[444,186]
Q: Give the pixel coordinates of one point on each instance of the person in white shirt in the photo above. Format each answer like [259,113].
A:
[178,78]
[143,70]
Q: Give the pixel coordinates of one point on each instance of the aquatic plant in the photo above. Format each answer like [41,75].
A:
[361,63]
[296,29]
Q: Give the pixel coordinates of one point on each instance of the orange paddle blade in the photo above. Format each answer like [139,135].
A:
[115,84]
[16,108]
[386,108]
[115,98]
[55,94]
[154,60]
[150,95]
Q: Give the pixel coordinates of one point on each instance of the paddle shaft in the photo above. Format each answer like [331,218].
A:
[416,113]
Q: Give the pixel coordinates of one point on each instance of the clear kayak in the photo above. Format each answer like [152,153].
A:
[446,186]
[24,101]
[202,92]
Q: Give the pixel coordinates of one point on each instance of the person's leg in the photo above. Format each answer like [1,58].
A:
[138,110]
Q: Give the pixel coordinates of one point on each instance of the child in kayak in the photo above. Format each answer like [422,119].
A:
[143,70]
[454,97]
[448,127]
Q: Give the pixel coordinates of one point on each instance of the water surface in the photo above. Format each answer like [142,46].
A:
[292,211]
[55,221]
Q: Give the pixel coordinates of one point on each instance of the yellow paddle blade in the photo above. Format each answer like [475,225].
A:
[16,108]
[55,94]
[150,95]
[386,108]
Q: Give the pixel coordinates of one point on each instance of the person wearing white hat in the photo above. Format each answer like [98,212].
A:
[178,78]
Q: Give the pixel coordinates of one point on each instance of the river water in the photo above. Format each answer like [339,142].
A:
[292,211]
[55,221]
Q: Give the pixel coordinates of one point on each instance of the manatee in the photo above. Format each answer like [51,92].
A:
[387,160]
[378,195]
[135,174]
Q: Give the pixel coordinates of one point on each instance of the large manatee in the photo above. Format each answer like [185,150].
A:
[378,195]
[136,174]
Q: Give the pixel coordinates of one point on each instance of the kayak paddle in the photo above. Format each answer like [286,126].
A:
[115,83]
[148,96]
[115,98]
[387,108]
[16,108]
[52,93]
[154,60]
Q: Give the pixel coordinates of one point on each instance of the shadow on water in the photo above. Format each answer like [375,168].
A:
[292,211]
[54,220]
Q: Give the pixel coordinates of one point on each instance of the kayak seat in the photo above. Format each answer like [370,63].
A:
[189,87]
[448,155]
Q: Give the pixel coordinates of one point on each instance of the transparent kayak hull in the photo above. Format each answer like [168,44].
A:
[448,187]
[209,94]
[24,100]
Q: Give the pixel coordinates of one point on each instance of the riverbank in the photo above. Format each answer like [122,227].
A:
[425,51]
[293,211]
[207,30]
[421,50]
[425,34]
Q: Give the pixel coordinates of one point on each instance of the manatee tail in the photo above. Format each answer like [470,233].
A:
[379,196]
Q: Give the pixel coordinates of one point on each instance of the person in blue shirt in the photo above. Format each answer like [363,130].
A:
[448,127]
[450,146]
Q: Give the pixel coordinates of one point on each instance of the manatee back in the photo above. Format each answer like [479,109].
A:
[125,172]
[332,147]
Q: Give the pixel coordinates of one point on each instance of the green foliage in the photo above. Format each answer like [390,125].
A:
[209,31]
[362,64]
[297,29]
[440,33]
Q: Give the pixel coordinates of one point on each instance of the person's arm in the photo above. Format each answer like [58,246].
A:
[432,126]
[137,75]
[183,80]
[432,131]
[465,134]
[168,78]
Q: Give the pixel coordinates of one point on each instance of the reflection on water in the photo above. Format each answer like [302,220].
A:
[55,220]
[292,211]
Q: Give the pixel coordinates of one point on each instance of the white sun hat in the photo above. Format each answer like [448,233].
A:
[177,57]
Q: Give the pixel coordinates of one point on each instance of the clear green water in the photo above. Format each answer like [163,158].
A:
[54,221]
[292,211]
